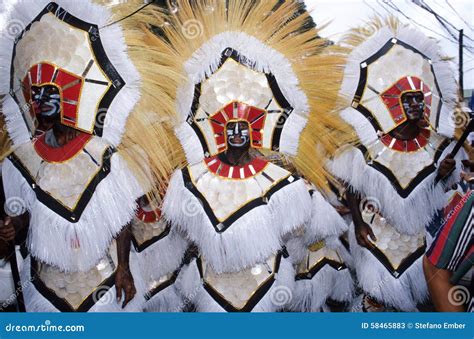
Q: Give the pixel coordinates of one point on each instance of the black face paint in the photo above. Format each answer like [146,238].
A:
[237,134]
[413,105]
[46,101]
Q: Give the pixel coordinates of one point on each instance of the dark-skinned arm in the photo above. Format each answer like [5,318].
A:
[446,167]
[12,229]
[123,276]
[362,230]
[440,287]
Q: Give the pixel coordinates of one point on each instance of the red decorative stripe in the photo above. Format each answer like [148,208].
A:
[391,97]
[60,154]
[70,86]
[441,239]
[148,216]
[254,116]
[407,145]
[216,166]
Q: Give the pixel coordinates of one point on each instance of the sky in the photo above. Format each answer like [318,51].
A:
[345,14]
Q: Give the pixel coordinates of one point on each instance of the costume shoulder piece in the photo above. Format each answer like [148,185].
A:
[389,61]
[79,195]
[262,62]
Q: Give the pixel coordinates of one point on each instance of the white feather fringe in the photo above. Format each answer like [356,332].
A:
[325,220]
[425,45]
[36,302]
[409,215]
[16,126]
[311,294]
[252,238]
[328,283]
[403,293]
[162,257]
[167,300]
[124,102]
[50,236]
[277,298]
[190,143]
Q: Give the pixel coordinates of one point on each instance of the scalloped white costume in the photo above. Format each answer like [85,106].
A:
[80,196]
[396,178]
[252,225]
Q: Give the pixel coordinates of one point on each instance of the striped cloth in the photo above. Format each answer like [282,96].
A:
[453,247]
[454,242]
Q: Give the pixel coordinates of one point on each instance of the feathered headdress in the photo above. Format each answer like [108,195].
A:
[72,46]
[387,60]
[258,61]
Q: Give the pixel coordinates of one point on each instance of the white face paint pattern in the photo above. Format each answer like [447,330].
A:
[244,135]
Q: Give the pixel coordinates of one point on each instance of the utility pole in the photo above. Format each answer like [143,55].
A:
[461,76]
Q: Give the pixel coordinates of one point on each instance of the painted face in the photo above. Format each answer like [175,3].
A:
[413,105]
[46,100]
[237,134]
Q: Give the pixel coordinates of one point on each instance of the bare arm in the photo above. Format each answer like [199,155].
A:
[12,229]
[362,230]
[439,287]
[123,277]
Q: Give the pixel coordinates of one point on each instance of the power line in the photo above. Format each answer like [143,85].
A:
[439,18]
[373,9]
[423,5]
[386,10]
[395,8]
[459,16]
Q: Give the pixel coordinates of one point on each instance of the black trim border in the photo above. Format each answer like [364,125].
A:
[45,198]
[363,80]
[162,286]
[141,247]
[254,299]
[62,304]
[316,268]
[99,52]
[404,265]
[272,82]
[262,200]
[405,192]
